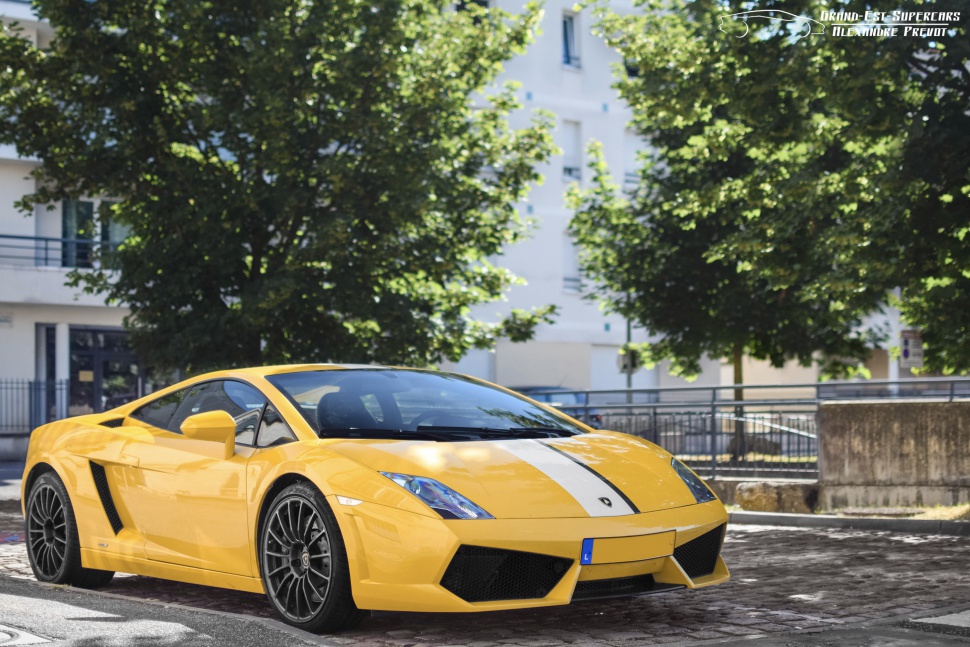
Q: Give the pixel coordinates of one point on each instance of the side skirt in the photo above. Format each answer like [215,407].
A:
[139,566]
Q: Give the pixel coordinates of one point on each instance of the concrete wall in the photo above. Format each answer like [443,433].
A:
[894,453]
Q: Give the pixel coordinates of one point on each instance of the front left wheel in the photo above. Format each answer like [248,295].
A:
[53,548]
[303,563]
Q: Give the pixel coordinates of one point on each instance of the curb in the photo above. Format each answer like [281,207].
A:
[910,526]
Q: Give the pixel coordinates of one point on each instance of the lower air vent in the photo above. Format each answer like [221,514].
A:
[698,557]
[478,574]
[104,492]
[113,422]
[616,587]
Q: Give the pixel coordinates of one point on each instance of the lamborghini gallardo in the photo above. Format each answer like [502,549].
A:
[338,489]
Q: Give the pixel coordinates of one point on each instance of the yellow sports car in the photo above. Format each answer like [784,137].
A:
[336,489]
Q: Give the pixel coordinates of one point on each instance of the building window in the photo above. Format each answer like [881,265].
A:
[570,43]
[571,281]
[632,145]
[572,152]
[463,5]
[77,230]
[81,233]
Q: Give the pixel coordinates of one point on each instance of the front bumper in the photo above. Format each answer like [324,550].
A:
[398,559]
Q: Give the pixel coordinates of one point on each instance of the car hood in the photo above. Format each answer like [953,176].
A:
[547,478]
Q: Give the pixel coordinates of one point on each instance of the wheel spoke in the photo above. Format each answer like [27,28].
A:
[277,570]
[316,538]
[300,595]
[276,538]
[295,523]
[278,522]
[289,592]
[323,577]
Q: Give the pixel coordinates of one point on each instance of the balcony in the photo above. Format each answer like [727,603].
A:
[38,251]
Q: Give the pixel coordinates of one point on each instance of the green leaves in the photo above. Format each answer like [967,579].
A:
[760,222]
[302,181]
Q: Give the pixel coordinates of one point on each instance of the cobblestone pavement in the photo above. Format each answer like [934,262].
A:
[783,580]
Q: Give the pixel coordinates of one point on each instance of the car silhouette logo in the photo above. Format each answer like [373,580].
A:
[801,26]
[606,502]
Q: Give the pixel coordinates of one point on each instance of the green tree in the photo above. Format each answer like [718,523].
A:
[758,227]
[302,180]
[935,178]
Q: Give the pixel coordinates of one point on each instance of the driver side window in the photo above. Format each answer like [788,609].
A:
[241,401]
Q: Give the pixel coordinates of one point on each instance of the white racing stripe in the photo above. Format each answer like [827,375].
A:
[583,485]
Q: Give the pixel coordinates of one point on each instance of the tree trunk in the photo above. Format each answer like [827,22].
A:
[739,448]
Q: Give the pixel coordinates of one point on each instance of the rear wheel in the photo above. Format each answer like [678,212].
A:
[53,548]
[303,563]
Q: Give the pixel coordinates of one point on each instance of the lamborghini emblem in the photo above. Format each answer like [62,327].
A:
[606,502]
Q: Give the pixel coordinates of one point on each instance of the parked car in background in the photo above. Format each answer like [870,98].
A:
[569,401]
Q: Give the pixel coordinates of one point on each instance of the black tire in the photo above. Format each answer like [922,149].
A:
[303,563]
[53,548]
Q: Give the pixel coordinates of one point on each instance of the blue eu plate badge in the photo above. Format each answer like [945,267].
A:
[587,555]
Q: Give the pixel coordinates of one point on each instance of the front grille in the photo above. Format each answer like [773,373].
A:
[113,422]
[698,557]
[479,574]
[618,586]
[104,493]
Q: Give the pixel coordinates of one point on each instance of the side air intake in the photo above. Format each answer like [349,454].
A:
[479,574]
[104,492]
[698,557]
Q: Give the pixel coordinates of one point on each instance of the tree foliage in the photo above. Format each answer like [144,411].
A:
[934,177]
[768,216]
[301,180]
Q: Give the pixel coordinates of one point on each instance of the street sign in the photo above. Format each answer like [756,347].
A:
[628,362]
[911,349]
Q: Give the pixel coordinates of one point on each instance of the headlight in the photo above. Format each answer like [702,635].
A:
[439,497]
[702,493]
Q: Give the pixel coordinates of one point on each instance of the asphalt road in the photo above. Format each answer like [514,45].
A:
[791,587]
[34,614]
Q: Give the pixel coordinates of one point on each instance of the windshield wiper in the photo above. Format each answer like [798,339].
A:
[382,434]
[495,432]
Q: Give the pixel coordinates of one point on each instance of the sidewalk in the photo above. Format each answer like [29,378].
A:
[908,526]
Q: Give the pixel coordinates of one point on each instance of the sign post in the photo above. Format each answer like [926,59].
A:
[911,349]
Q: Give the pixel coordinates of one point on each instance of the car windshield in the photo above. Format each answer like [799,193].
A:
[382,403]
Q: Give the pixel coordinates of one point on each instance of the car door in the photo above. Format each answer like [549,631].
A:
[187,500]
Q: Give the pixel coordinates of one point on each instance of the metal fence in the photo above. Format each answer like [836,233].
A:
[748,431]
[57,252]
[26,404]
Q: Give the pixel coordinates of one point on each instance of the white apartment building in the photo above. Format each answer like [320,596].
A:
[49,332]
[52,332]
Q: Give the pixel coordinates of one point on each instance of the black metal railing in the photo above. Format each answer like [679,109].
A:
[26,404]
[770,430]
[57,252]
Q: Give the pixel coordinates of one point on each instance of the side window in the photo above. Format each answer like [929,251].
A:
[249,404]
[239,400]
[191,405]
[273,430]
[158,413]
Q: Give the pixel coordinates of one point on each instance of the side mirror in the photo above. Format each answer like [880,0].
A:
[214,426]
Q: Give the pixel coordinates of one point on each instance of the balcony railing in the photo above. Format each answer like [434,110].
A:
[39,251]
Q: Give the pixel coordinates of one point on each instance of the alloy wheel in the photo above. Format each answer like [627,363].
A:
[47,530]
[297,558]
